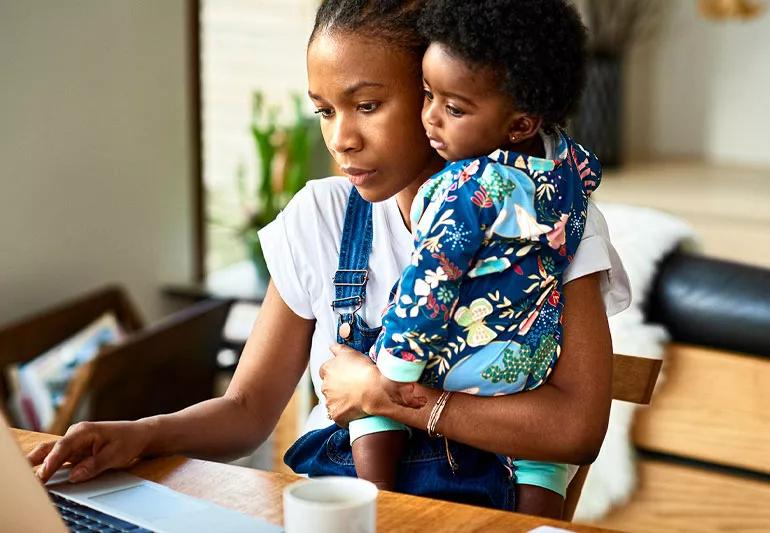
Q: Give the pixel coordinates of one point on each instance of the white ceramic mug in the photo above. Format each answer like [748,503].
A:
[330,505]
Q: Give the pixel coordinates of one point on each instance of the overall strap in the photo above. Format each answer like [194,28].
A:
[352,269]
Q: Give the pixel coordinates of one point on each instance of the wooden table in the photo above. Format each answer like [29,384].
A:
[260,494]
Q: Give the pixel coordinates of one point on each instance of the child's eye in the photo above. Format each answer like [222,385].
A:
[454,111]
[368,107]
[325,112]
[428,95]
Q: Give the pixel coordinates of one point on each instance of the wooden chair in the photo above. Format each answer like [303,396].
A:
[164,367]
[28,337]
[633,380]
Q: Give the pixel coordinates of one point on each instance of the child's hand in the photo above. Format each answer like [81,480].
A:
[402,393]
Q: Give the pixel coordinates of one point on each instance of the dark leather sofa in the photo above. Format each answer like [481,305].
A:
[713,303]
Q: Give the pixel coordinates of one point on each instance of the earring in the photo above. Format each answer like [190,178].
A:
[513,138]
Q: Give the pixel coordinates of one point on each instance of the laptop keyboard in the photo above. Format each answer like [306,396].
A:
[80,518]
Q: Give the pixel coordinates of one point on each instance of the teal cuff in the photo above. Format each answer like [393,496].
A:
[551,476]
[373,424]
[397,369]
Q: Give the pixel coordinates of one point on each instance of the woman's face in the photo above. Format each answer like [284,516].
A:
[369,96]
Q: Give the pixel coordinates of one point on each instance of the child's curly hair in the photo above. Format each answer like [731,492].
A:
[539,47]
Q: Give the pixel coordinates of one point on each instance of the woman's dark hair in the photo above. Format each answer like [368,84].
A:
[538,46]
[392,21]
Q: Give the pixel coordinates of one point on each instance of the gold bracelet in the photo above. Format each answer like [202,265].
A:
[435,414]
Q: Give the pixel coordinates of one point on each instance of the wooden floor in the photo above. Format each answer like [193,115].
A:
[674,498]
[728,207]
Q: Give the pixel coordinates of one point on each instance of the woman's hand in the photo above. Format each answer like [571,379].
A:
[348,378]
[403,394]
[354,388]
[92,448]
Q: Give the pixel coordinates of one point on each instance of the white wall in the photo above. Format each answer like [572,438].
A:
[700,89]
[95,156]
[741,93]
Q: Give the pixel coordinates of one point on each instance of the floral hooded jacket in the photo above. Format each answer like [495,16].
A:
[479,307]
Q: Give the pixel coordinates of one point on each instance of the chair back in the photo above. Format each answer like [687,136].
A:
[633,380]
[30,336]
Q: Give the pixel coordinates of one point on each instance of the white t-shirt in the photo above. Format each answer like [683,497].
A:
[301,248]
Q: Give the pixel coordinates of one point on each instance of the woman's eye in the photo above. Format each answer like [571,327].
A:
[325,112]
[428,95]
[368,107]
[454,111]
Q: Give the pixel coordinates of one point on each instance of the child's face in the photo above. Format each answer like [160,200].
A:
[464,114]
[369,99]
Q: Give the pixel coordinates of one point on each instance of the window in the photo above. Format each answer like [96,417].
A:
[245,45]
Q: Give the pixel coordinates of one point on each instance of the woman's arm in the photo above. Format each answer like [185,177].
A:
[272,362]
[564,420]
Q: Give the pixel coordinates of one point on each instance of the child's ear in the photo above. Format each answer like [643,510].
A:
[523,126]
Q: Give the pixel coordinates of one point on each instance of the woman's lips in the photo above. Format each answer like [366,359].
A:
[358,176]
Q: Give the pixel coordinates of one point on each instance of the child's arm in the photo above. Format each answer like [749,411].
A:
[541,487]
[447,238]
[537,501]
[377,456]
[415,325]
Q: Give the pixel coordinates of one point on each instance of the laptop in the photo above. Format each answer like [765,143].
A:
[112,502]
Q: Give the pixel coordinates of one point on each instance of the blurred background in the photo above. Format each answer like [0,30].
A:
[143,143]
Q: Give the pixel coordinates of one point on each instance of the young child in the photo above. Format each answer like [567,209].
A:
[478,310]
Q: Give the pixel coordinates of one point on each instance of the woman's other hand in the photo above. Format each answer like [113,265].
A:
[350,384]
[91,448]
[349,380]
[403,394]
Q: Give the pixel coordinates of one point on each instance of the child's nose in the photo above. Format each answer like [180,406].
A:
[429,115]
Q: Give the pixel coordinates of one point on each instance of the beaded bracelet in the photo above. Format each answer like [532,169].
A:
[435,414]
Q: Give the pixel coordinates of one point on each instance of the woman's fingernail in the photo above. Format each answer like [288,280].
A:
[78,474]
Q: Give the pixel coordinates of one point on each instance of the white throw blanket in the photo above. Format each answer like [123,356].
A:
[642,237]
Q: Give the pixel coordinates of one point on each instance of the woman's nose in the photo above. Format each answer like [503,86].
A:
[344,136]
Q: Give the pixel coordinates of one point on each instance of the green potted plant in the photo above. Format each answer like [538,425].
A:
[283,154]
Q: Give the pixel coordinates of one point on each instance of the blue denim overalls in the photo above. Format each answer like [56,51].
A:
[480,478]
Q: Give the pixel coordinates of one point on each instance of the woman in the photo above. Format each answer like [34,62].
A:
[364,78]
